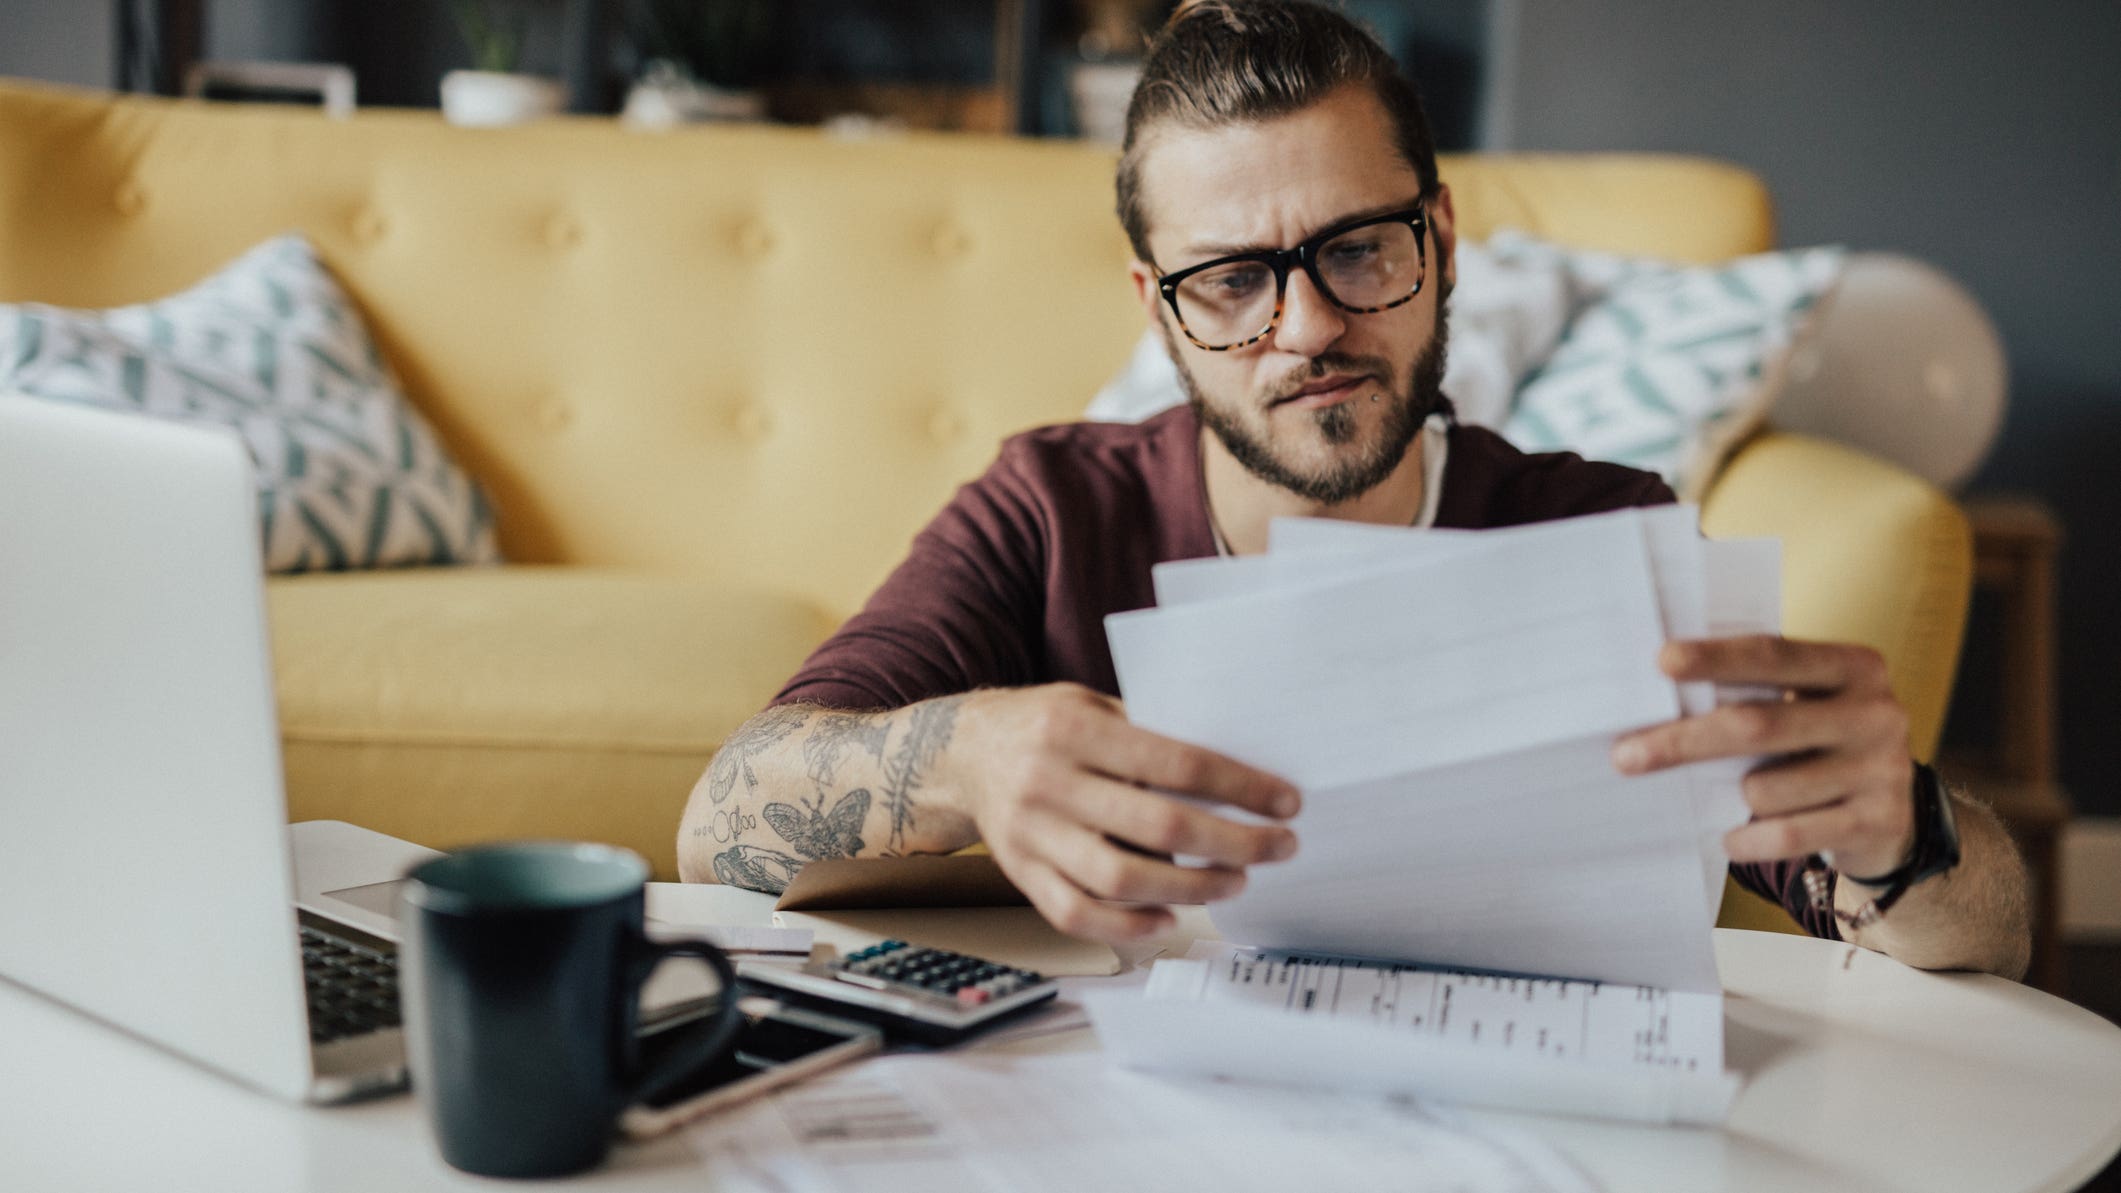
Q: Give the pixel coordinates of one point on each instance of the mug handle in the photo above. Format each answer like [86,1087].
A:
[698,1044]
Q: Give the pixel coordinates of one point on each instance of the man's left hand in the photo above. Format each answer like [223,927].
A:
[1839,779]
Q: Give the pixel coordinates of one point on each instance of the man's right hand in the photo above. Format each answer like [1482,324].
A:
[1060,786]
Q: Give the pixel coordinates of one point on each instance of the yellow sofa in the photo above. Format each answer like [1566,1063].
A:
[715,379]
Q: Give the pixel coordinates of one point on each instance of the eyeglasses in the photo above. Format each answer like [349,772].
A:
[1363,266]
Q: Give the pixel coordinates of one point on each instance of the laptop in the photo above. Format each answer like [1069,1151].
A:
[147,874]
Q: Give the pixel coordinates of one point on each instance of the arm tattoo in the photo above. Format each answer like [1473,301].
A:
[818,834]
[755,868]
[727,826]
[928,730]
[748,742]
[828,742]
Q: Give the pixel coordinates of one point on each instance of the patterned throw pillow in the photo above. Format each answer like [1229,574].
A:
[348,475]
[1666,367]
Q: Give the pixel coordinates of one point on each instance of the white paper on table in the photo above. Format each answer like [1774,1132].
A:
[1392,672]
[978,1121]
[1594,1049]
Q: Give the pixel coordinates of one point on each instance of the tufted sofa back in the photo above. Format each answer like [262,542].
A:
[758,354]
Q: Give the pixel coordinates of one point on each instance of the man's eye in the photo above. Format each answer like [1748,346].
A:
[1352,252]
[1226,284]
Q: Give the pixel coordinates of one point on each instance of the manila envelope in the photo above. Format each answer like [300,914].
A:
[962,903]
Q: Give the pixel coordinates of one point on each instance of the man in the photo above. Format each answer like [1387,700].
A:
[1293,244]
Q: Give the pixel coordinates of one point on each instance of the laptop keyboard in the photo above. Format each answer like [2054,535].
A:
[352,990]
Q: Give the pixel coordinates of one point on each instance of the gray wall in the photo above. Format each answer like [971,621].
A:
[1982,136]
[60,41]
[75,41]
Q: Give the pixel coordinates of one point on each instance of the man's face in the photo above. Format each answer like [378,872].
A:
[1326,405]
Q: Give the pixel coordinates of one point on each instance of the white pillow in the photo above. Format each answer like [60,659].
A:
[1665,367]
[349,476]
[1505,316]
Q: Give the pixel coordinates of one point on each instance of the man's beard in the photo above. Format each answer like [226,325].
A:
[1346,479]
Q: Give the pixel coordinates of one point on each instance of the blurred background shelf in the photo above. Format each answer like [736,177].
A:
[995,66]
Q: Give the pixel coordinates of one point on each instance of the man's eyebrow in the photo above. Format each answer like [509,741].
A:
[1207,250]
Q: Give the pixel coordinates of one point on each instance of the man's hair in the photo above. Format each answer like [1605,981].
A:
[1223,62]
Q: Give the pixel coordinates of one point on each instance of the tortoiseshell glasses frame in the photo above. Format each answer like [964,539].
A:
[1306,256]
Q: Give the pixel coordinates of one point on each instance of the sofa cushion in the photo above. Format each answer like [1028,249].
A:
[448,706]
[348,475]
[1663,366]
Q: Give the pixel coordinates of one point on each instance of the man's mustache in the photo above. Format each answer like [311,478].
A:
[1374,367]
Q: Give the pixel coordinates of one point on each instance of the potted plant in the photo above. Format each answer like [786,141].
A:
[703,60]
[493,93]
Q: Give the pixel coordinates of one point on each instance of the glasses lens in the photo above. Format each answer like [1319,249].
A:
[1229,303]
[1372,266]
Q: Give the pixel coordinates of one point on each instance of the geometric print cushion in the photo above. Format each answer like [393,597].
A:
[1667,367]
[349,476]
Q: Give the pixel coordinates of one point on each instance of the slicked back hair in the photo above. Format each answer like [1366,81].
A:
[1223,62]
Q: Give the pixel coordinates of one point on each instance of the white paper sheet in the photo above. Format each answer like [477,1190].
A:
[1539,861]
[977,1122]
[1602,1023]
[1744,596]
[1703,588]
[1588,1049]
[1393,672]
[1454,818]
[1310,550]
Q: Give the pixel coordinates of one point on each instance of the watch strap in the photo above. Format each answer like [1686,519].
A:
[1935,850]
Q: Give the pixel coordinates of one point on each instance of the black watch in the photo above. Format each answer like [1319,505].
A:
[1936,848]
[1935,851]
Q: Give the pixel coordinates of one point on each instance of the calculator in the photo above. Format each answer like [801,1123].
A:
[931,995]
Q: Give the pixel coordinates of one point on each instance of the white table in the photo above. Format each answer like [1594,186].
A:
[1862,1075]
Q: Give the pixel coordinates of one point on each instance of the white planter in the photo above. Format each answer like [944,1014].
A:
[1100,92]
[485,99]
[665,97]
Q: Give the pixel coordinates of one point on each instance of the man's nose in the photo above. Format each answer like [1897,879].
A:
[1310,323]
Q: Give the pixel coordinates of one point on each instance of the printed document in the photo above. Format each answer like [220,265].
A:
[1447,700]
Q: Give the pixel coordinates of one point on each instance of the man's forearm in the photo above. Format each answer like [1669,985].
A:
[1971,918]
[797,784]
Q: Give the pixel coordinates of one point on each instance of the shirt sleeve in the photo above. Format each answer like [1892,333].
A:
[1783,882]
[962,611]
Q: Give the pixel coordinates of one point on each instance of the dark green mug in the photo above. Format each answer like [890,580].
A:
[521,969]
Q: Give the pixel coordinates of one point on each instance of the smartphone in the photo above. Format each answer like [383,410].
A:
[778,1044]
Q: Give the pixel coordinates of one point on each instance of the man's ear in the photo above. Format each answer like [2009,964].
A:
[1145,291]
[1443,220]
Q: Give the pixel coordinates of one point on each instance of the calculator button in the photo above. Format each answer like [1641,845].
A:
[972,996]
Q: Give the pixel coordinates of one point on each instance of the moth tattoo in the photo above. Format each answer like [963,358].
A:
[818,834]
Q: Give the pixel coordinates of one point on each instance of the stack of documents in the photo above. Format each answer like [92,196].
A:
[1447,701]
